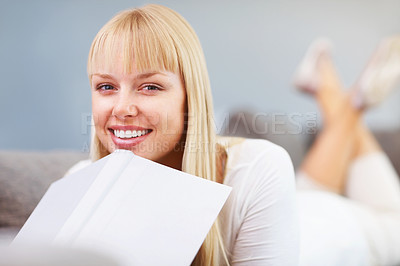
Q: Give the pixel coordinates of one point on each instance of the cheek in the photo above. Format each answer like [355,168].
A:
[168,120]
[101,112]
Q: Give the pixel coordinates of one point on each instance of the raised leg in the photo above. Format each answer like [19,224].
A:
[331,154]
[329,95]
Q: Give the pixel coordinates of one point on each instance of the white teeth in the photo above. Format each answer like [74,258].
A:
[130,133]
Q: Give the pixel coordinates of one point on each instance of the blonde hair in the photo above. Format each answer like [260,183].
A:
[157,38]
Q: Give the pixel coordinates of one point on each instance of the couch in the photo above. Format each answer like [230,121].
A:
[26,175]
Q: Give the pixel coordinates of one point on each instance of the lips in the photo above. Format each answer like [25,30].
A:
[126,137]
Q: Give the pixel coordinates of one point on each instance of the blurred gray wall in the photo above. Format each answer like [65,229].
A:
[252,49]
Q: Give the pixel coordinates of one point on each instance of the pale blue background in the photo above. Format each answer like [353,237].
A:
[252,49]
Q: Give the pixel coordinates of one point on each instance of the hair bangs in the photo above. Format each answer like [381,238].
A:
[143,43]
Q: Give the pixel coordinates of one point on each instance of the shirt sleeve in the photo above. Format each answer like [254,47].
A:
[268,234]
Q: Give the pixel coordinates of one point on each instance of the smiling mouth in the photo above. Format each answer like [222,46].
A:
[130,134]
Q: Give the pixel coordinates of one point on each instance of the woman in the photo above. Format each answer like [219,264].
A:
[151,95]
[348,191]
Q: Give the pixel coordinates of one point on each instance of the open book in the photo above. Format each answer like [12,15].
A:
[141,212]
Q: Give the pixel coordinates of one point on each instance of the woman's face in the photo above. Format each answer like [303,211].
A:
[140,112]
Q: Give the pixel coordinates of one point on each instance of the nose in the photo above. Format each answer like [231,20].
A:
[125,108]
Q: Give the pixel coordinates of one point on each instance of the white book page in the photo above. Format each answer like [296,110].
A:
[142,212]
[155,215]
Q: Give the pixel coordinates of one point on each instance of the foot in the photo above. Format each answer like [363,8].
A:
[381,75]
[307,77]
[317,75]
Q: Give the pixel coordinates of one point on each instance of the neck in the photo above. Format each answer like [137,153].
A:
[173,159]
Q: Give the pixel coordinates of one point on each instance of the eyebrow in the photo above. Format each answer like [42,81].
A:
[149,74]
[105,76]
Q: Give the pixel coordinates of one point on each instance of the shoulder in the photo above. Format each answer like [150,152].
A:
[259,165]
[253,152]
[78,166]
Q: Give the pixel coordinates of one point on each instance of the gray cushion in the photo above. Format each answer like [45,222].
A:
[25,177]
[390,142]
[278,130]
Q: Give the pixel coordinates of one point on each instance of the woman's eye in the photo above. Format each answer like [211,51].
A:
[151,88]
[105,87]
